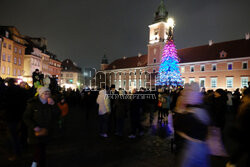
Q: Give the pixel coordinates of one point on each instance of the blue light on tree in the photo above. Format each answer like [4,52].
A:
[169,72]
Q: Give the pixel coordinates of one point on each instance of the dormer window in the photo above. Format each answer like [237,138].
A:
[223,54]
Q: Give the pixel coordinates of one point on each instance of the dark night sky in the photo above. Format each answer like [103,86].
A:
[83,30]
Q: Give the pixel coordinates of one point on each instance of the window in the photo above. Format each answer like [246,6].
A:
[214,67]
[3,70]
[130,82]
[183,81]
[8,58]
[182,69]
[154,60]
[8,70]
[20,51]
[124,83]
[202,67]
[115,81]
[4,57]
[244,65]
[135,82]
[213,82]
[120,83]
[14,72]
[18,72]
[229,82]
[202,82]
[191,80]
[140,83]
[153,70]
[19,61]
[191,68]
[10,46]
[230,66]
[15,50]
[244,82]
[14,60]
[4,45]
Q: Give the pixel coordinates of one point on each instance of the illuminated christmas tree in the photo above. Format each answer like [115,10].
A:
[169,72]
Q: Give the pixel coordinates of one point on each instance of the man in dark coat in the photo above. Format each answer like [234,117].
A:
[40,117]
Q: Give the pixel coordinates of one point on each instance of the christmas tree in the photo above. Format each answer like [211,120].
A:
[169,73]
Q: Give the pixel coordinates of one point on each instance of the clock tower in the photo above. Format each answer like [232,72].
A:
[158,34]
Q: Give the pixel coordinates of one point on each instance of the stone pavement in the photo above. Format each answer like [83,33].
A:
[80,146]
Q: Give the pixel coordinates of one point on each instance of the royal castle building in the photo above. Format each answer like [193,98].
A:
[216,65]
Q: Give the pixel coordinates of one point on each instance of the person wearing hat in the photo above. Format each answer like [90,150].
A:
[40,117]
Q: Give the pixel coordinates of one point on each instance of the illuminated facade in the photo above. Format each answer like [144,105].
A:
[12,53]
[216,65]
[71,75]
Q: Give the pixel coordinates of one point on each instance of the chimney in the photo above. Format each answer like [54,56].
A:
[210,42]
[247,36]
[139,54]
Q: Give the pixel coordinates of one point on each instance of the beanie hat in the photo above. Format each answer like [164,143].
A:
[41,90]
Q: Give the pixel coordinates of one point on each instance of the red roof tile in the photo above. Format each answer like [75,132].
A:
[232,49]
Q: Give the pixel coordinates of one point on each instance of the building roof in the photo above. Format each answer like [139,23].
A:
[129,62]
[69,66]
[217,51]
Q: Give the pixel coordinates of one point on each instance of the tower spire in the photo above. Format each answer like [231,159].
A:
[161,14]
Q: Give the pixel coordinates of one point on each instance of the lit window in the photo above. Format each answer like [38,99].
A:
[8,58]
[135,82]
[191,68]
[244,65]
[4,57]
[8,70]
[202,67]
[140,83]
[182,69]
[18,72]
[191,80]
[213,82]
[214,67]
[20,51]
[15,50]
[19,61]
[229,82]
[14,60]
[130,82]
[230,66]
[14,72]
[244,82]
[120,83]
[3,70]
[202,82]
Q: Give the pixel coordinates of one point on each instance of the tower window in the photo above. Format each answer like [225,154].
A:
[154,60]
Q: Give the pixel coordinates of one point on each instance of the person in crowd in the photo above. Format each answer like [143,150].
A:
[41,116]
[103,111]
[64,108]
[112,118]
[121,107]
[135,115]
[239,135]
[191,123]
[36,77]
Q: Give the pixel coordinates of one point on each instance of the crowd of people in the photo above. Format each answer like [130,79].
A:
[195,120]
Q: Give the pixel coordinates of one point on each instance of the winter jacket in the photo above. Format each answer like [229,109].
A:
[41,115]
[104,103]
